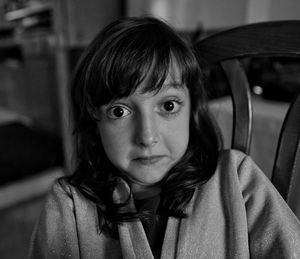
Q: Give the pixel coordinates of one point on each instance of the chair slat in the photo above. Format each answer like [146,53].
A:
[278,38]
[241,100]
[287,161]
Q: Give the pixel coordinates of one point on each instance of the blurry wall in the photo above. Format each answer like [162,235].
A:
[2,21]
[265,10]
[85,18]
[214,14]
[190,13]
[284,9]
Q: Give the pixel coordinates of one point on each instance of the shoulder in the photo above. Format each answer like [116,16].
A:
[231,157]
[63,193]
[227,176]
[66,199]
[230,163]
[236,164]
[61,187]
[238,169]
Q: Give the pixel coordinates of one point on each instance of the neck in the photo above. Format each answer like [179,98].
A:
[142,192]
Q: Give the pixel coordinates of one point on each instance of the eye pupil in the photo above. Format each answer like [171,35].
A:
[118,112]
[169,106]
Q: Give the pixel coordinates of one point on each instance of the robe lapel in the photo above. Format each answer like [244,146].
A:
[169,247]
[133,240]
[174,242]
[134,243]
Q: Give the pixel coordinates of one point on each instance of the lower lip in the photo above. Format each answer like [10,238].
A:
[148,161]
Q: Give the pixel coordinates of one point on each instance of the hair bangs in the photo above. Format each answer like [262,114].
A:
[144,55]
[188,67]
[121,75]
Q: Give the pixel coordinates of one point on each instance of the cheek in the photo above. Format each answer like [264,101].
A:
[178,137]
[113,141]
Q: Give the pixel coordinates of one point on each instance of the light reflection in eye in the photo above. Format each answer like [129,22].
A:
[172,107]
[169,106]
[117,112]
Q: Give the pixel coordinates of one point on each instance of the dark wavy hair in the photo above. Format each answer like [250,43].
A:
[112,67]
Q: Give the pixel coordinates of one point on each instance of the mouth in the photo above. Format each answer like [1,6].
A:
[148,160]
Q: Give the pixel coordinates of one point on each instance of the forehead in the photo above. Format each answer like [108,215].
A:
[173,80]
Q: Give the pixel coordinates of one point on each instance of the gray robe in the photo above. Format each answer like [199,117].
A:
[236,214]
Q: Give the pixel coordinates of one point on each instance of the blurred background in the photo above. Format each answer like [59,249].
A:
[40,42]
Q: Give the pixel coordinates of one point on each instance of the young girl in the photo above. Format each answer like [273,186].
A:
[151,179]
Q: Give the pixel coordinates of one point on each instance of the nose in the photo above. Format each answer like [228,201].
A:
[147,132]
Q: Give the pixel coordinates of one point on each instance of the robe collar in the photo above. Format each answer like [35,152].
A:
[133,239]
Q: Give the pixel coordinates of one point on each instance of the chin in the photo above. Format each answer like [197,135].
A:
[148,181]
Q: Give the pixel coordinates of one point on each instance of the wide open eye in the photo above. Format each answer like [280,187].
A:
[171,106]
[117,112]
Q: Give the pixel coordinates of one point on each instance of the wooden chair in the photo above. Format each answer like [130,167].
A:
[266,39]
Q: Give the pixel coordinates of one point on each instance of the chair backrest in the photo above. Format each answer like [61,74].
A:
[266,39]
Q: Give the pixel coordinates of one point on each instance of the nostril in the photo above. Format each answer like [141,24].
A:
[147,140]
[147,137]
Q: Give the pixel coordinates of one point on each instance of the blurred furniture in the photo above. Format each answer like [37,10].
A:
[29,124]
[31,154]
[30,158]
[227,49]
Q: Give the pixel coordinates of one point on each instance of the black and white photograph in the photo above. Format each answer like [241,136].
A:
[150,129]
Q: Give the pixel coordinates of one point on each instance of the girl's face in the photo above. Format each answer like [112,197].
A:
[145,134]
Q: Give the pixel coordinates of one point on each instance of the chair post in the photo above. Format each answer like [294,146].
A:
[241,96]
[286,170]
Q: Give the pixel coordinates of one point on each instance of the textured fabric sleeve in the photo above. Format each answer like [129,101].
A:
[55,234]
[274,231]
